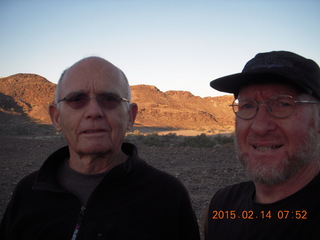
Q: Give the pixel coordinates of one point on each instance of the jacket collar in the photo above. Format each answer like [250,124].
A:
[47,180]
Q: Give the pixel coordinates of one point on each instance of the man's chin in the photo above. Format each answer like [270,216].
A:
[94,151]
[262,172]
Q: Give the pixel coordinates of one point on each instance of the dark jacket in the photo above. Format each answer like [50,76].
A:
[133,201]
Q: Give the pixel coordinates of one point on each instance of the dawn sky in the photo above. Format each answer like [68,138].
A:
[173,45]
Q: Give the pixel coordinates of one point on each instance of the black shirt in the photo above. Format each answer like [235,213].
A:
[234,215]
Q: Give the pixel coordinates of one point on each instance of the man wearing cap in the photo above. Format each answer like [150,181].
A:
[277,141]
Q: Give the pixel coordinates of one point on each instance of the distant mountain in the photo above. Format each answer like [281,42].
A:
[27,95]
[181,109]
[24,98]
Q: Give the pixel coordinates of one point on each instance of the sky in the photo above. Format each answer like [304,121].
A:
[171,44]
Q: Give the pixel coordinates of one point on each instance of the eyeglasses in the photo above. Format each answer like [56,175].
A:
[281,106]
[105,100]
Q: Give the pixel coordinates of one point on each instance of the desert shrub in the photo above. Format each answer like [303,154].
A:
[201,140]
[171,139]
[137,132]
[223,139]
[134,136]
[153,139]
[170,136]
[204,141]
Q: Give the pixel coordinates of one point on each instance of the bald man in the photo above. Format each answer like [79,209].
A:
[97,187]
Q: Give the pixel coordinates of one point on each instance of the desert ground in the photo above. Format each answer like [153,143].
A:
[202,170]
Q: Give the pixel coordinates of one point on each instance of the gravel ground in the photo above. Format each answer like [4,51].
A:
[202,170]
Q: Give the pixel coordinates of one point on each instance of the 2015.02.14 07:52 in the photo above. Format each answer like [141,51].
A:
[250,214]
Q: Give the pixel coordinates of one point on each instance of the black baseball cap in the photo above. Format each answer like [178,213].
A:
[276,66]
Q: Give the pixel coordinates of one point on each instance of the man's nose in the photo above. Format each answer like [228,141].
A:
[93,109]
[263,122]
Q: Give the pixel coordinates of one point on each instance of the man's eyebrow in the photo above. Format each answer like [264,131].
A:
[76,92]
[108,92]
[81,91]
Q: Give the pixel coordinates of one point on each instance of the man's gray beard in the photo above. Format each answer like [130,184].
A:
[305,152]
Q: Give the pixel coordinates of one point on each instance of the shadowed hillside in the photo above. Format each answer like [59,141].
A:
[27,95]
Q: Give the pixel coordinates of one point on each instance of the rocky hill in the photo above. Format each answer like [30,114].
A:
[24,99]
[26,95]
[181,109]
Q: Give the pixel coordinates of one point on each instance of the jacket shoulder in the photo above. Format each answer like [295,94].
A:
[160,176]
[26,182]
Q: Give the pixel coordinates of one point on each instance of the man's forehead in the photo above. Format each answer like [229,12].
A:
[92,70]
[93,65]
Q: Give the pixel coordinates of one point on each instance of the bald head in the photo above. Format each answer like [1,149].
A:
[90,68]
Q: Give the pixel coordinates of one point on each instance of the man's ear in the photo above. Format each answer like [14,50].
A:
[132,115]
[55,116]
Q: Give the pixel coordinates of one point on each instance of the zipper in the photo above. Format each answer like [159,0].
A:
[78,223]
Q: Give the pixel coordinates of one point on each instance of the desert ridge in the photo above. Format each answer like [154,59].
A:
[25,98]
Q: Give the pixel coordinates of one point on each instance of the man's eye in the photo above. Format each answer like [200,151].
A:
[76,98]
[109,98]
[246,106]
[282,104]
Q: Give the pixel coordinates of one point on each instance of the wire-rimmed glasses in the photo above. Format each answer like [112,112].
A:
[78,100]
[280,106]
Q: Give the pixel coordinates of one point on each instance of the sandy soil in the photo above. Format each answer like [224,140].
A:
[201,170]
